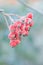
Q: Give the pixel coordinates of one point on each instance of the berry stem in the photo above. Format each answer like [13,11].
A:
[6,21]
[2,12]
[13,15]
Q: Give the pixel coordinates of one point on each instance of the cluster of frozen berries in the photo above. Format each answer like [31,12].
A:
[20,28]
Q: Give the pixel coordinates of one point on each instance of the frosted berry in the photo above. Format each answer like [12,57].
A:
[20,28]
[12,27]
[29,15]
[13,43]
[11,35]
[31,24]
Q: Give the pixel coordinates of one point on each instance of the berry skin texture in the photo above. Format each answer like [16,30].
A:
[29,15]
[31,24]
[27,28]
[14,43]
[11,35]
[20,28]
[12,27]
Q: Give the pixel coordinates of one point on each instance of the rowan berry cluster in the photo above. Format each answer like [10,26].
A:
[20,28]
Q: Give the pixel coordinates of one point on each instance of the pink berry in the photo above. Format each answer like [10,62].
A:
[22,26]
[12,27]
[29,15]
[17,23]
[26,33]
[26,28]
[23,32]
[13,43]
[31,24]
[17,41]
[11,35]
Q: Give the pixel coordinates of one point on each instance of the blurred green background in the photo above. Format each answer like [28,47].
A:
[30,50]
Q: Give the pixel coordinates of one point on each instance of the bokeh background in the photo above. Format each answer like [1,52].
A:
[30,50]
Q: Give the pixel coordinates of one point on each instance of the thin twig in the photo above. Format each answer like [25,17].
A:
[6,21]
[12,20]
[12,15]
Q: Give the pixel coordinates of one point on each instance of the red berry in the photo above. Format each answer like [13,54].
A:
[17,41]
[29,15]
[31,24]
[26,33]
[22,26]
[12,27]
[26,28]
[18,22]
[13,43]
[11,35]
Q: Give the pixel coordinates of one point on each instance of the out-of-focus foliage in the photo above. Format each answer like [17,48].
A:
[30,50]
